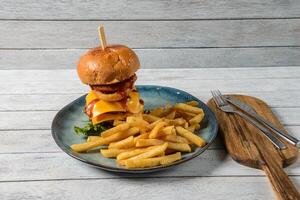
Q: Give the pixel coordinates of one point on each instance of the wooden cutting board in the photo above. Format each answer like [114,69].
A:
[248,146]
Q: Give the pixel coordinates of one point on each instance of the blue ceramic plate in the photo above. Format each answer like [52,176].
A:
[153,96]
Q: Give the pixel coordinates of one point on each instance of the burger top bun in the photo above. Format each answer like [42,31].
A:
[114,64]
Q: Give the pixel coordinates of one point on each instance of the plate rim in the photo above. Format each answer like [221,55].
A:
[131,171]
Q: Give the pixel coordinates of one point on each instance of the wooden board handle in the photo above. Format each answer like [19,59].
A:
[281,184]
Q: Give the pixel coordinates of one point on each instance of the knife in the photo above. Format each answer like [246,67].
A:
[249,110]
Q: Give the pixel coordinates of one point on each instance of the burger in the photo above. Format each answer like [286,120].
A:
[110,74]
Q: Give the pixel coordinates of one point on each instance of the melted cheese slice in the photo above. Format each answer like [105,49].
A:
[105,110]
[91,96]
[102,107]
[108,117]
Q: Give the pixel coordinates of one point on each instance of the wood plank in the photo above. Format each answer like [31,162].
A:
[151,34]
[195,81]
[20,102]
[247,188]
[59,166]
[26,120]
[149,9]
[16,141]
[160,58]
[285,72]
[232,86]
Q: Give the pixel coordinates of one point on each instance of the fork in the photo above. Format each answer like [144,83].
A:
[226,107]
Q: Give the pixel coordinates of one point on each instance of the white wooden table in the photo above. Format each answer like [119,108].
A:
[247,47]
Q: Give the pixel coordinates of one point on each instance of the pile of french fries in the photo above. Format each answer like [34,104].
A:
[150,139]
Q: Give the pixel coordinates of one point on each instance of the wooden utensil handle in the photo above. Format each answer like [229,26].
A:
[281,184]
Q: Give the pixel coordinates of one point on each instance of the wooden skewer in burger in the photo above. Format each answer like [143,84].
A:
[110,72]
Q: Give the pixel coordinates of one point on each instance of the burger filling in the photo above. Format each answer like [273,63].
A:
[114,101]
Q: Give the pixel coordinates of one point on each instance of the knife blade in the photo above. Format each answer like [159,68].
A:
[249,110]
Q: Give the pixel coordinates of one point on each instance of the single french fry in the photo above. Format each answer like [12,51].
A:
[118,122]
[112,153]
[175,138]
[92,138]
[132,153]
[166,111]
[183,147]
[152,125]
[188,108]
[197,119]
[168,130]
[190,136]
[132,131]
[141,163]
[148,142]
[150,118]
[101,141]
[176,122]
[141,136]
[197,126]
[136,122]
[192,103]
[171,115]
[111,131]
[186,125]
[158,150]
[154,132]
[122,144]
[165,160]
[191,128]
[185,115]
[174,131]
[157,111]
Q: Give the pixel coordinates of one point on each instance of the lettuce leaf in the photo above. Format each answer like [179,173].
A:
[89,129]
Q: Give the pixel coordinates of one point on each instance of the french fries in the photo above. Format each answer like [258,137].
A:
[92,138]
[138,163]
[111,131]
[183,147]
[155,151]
[197,119]
[129,154]
[154,132]
[175,138]
[150,118]
[190,136]
[187,108]
[112,153]
[136,122]
[149,140]
[122,144]
[192,103]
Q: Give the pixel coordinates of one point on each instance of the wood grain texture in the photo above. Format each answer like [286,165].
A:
[287,72]
[37,81]
[248,146]
[247,188]
[24,102]
[151,34]
[160,58]
[59,166]
[147,9]
[233,86]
